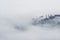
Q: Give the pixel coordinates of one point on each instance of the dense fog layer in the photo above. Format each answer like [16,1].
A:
[12,28]
[16,19]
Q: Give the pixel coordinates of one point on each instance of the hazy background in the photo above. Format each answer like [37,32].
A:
[18,13]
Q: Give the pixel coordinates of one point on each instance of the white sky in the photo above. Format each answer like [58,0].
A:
[25,8]
[28,6]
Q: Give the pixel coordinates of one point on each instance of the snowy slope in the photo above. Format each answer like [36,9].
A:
[52,20]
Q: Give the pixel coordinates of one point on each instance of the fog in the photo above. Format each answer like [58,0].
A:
[16,18]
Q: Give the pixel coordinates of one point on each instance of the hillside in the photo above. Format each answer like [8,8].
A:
[52,20]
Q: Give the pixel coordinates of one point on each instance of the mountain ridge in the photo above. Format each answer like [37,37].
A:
[50,19]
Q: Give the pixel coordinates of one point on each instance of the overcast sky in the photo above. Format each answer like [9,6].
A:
[23,8]
[28,6]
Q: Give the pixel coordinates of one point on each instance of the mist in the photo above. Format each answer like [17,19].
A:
[16,19]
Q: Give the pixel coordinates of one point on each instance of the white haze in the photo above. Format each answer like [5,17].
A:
[18,13]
